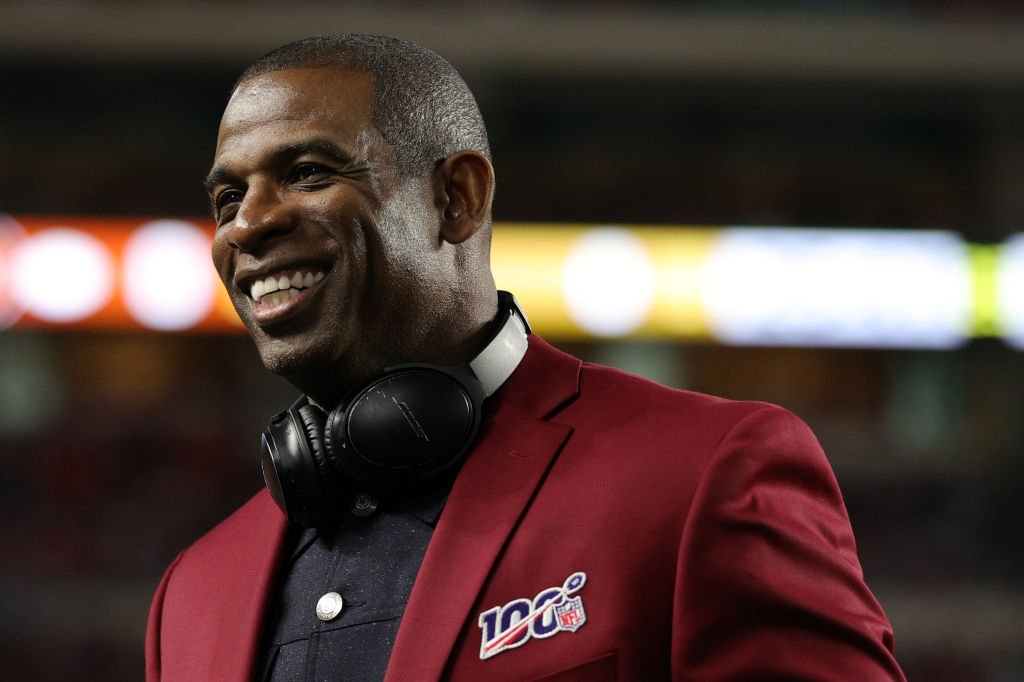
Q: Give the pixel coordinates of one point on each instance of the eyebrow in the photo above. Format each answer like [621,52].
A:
[319,146]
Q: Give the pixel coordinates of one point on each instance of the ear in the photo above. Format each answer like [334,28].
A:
[463,190]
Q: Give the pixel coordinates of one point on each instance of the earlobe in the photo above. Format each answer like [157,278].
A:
[464,184]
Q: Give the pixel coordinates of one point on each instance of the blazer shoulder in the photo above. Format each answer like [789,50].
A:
[252,522]
[206,616]
[608,388]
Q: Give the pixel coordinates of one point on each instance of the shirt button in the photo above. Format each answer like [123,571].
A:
[363,505]
[329,606]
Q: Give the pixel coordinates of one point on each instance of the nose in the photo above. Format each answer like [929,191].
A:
[262,215]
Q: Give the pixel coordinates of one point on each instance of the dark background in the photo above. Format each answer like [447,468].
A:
[120,449]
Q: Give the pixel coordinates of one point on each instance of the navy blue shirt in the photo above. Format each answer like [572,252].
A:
[371,563]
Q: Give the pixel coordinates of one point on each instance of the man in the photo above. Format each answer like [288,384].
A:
[582,524]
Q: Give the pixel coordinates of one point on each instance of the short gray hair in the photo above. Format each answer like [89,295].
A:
[421,105]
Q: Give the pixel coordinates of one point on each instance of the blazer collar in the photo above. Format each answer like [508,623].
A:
[491,493]
[545,381]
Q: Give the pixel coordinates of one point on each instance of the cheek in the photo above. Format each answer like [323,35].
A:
[223,259]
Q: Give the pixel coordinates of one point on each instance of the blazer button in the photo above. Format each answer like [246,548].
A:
[329,606]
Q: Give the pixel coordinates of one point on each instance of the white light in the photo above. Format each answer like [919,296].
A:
[838,288]
[167,279]
[61,274]
[1010,290]
[608,282]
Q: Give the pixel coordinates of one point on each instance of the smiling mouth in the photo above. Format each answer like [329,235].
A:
[276,297]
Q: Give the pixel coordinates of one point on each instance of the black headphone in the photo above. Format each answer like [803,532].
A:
[410,423]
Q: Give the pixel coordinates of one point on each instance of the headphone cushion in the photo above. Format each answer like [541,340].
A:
[312,419]
[332,451]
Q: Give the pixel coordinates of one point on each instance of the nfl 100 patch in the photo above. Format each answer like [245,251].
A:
[553,610]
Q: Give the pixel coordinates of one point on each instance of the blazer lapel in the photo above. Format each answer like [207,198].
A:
[487,500]
[490,495]
[248,587]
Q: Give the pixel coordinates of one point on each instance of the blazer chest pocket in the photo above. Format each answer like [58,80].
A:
[601,669]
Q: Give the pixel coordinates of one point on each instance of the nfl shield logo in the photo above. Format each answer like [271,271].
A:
[570,614]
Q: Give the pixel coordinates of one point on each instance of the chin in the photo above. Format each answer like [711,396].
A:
[313,368]
[283,365]
[293,361]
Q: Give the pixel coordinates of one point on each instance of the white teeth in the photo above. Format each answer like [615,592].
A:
[273,291]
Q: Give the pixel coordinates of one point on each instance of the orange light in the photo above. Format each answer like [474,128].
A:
[38,276]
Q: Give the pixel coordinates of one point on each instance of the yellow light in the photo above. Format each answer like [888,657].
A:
[530,259]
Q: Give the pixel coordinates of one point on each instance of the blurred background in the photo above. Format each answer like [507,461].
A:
[657,130]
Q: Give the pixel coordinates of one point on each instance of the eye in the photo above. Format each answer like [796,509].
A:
[227,197]
[308,172]
[224,200]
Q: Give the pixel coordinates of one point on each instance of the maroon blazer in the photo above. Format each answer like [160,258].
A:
[604,528]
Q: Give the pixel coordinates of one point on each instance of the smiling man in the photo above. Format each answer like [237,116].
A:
[451,497]
[395,275]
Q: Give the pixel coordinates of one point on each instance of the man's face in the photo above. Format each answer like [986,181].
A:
[326,251]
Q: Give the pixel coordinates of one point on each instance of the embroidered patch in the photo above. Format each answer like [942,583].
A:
[547,614]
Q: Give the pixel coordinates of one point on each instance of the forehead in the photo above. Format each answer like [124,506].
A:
[282,106]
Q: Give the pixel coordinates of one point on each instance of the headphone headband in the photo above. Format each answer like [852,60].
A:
[500,357]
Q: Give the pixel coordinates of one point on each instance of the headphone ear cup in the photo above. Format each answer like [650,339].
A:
[406,426]
[291,457]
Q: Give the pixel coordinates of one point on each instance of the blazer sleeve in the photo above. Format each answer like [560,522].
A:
[768,584]
[154,624]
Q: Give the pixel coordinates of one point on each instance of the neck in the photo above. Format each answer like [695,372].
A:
[453,339]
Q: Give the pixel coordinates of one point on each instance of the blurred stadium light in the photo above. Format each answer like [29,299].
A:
[737,286]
